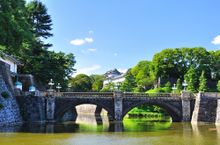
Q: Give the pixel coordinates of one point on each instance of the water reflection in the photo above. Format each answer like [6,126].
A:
[201,131]
[89,123]
[133,131]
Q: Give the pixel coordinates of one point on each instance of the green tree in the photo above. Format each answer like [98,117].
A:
[97,82]
[171,64]
[14,27]
[215,64]
[108,87]
[167,88]
[191,79]
[81,83]
[21,31]
[49,64]
[218,86]
[144,76]
[179,85]
[203,82]
[129,83]
[39,19]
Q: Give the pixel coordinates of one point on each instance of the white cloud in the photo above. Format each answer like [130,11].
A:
[123,70]
[89,39]
[88,70]
[216,40]
[77,42]
[92,49]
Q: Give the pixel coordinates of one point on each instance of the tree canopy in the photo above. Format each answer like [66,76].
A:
[81,83]
[23,29]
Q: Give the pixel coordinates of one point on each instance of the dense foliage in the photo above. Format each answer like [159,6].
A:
[203,82]
[85,83]
[197,66]
[81,83]
[22,31]
[97,82]
[218,86]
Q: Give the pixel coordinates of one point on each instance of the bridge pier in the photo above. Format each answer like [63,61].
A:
[118,97]
[50,108]
[186,106]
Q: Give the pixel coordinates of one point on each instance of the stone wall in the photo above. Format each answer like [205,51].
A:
[33,108]
[205,109]
[6,76]
[9,111]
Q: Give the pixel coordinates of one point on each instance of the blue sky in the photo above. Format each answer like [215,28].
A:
[107,34]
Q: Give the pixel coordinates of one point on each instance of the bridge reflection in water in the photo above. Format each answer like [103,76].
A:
[87,114]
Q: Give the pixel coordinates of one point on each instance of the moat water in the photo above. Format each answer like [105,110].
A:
[89,131]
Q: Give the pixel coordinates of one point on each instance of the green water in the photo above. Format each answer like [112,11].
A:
[131,132]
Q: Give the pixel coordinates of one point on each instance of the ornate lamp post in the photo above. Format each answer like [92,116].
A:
[58,87]
[50,90]
[51,83]
[69,87]
[174,88]
[213,75]
[184,85]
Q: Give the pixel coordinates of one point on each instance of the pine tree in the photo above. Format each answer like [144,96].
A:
[203,82]
[179,85]
[191,79]
[14,27]
[40,21]
[218,86]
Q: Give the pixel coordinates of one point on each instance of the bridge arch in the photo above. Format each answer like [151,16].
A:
[60,110]
[171,109]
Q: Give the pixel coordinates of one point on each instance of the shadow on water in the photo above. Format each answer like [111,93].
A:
[88,123]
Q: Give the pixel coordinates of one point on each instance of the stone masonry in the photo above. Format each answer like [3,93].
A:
[10,112]
[206,108]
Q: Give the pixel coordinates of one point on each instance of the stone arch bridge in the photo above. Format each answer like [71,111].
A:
[118,104]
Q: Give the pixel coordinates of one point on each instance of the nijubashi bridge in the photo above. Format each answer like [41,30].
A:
[118,104]
[62,105]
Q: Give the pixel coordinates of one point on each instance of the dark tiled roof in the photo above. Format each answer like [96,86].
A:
[114,71]
[4,55]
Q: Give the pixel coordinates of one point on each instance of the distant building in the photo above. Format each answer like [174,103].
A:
[11,62]
[113,76]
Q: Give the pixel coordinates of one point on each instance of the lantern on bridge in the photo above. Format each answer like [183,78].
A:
[32,88]
[18,85]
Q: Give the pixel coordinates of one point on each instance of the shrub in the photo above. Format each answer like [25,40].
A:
[218,86]
[156,90]
[5,95]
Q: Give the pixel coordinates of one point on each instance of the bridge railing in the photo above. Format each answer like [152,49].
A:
[107,94]
[112,94]
[128,94]
[86,94]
